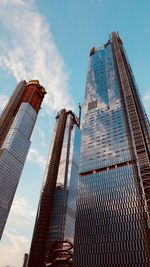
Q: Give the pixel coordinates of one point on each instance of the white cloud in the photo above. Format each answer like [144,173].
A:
[21,214]
[12,253]
[15,245]
[146,97]
[35,156]
[28,51]
[3,101]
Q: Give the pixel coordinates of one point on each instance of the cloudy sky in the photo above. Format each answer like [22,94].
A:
[50,41]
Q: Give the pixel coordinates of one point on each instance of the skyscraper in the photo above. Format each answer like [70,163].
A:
[113,205]
[16,144]
[10,110]
[57,207]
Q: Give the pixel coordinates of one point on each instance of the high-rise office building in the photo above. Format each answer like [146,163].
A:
[54,227]
[113,203]
[10,110]
[16,144]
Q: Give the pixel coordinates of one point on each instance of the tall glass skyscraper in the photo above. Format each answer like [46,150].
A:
[64,207]
[55,220]
[20,114]
[113,205]
[8,115]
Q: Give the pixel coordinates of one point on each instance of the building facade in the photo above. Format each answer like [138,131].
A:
[55,222]
[64,207]
[10,110]
[113,203]
[14,149]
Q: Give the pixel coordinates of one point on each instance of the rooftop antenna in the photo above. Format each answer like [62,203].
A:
[79,106]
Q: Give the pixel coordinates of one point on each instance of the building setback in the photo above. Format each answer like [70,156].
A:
[54,227]
[113,203]
[16,144]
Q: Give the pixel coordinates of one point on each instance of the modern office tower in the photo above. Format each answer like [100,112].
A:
[15,147]
[113,203]
[10,110]
[54,227]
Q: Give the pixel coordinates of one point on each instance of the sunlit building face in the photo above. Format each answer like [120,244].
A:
[112,221]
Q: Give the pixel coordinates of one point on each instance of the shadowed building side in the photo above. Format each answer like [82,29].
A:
[56,213]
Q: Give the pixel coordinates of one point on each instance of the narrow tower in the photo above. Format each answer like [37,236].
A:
[54,228]
[113,207]
[15,147]
[10,110]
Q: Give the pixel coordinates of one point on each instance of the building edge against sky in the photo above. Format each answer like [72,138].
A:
[16,124]
[10,110]
[55,220]
[113,202]
[64,207]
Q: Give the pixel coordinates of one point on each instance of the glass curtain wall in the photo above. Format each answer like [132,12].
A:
[111,229]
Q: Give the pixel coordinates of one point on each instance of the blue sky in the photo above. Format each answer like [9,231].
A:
[50,40]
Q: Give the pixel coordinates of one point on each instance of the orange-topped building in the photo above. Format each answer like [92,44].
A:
[31,92]
[16,126]
[34,94]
